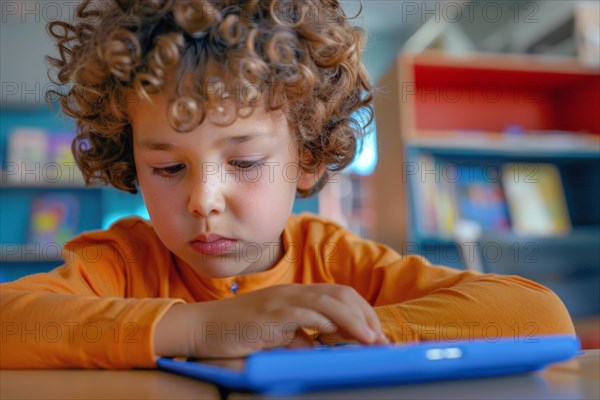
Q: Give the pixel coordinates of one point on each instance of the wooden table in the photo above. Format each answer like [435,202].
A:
[576,379]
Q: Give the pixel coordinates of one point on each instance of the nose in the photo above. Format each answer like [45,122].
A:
[206,196]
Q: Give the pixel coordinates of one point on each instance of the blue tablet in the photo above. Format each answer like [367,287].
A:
[289,371]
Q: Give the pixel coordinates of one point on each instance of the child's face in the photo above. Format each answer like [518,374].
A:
[238,182]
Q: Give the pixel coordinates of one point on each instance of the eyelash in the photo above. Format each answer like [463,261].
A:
[172,170]
[168,172]
[246,165]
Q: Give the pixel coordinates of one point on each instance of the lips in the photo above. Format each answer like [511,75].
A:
[212,244]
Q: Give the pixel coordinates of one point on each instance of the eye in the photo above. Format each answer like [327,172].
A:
[168,172]
[243,164]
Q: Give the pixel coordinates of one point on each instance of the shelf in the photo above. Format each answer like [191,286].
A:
[579,234]
[488,109]
[483,92]
[499,62]
[30,253]
[534,144]
[433,240]
[48,186]
[13,271]
[572,253]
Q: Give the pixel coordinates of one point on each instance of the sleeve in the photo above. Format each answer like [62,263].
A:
[78,316]
[417,301]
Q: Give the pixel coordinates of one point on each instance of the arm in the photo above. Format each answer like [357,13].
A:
[418,301]
[94,311]
[450,305]
[42,329]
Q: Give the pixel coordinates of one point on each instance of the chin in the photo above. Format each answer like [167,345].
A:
[218,271]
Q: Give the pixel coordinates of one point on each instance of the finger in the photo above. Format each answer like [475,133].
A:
[331,339]
[347,316]
[369,314]
[352,314]
[349,295]
[303,340]
[299,323]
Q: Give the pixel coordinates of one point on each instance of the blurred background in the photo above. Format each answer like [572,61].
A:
[484,152]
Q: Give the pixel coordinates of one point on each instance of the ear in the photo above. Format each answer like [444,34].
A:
[309,179]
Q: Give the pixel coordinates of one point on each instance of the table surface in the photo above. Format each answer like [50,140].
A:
[575,379]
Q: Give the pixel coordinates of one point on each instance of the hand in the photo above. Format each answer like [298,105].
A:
[267,318]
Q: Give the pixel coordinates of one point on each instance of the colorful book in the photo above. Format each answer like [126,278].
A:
[27,156]
[61,154]
[446,203]
[54,218]
[424,182]
[536,199]
[480,198]
[36,156]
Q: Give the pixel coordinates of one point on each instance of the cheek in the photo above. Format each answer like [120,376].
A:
[149,190]
[281,182]
[269,196]
[158,198]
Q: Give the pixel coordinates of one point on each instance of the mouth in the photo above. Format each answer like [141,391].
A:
[212,245]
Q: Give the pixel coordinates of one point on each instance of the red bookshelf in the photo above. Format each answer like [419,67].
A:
[435,110]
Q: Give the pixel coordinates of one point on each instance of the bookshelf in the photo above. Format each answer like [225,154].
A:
[51,177]
[439,113]
[23,253]
[347,199]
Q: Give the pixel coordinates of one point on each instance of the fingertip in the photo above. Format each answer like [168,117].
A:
[369,335]
[330,328]
[382,339]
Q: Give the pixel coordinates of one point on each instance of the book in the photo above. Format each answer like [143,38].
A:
[38,157]
[27,156]
[445,202]
[536,199]
[445,193]
[480,197]
[424,180]
[54,218]
[60,153]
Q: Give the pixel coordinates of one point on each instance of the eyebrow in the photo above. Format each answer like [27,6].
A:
[149,144]
[244,138]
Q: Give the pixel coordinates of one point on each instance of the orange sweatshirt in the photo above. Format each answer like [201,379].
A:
[99,309]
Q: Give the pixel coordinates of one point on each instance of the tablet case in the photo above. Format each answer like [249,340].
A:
[289,371]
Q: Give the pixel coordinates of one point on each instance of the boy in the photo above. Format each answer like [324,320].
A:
[220,112]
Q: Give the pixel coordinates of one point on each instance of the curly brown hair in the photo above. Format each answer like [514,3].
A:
[302,55]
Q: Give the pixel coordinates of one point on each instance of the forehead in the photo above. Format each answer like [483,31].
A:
[151,119]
